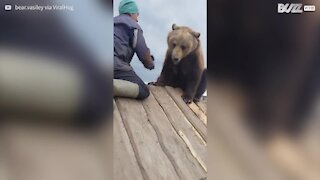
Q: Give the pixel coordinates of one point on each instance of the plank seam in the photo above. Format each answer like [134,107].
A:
[178,134]
[204,121]
[201,107]
[194,154]
[164,149]
[143,171]
[201,136]
[127,135]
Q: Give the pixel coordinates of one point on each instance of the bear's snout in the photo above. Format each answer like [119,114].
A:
[176,56]
[175,60]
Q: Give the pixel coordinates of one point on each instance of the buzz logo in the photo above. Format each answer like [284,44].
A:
[290,8]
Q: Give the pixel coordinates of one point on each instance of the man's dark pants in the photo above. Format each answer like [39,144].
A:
[133,77]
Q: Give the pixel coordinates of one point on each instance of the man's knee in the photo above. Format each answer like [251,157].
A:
[143,92]
[131,76]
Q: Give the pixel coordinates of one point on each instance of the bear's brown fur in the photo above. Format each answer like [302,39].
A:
[184,64]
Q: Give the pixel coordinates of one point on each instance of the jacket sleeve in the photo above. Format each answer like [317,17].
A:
[140,47]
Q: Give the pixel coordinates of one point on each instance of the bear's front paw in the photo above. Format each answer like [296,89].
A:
[187,99]
[156,84]
[152,83]
[196,99]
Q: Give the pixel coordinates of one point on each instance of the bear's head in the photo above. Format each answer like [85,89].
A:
[181,42]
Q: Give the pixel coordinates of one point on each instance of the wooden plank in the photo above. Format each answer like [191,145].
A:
[124,160]
[153,162]
[194,120]
[180,155]
[203,106]
[198,112]
[192,150]
[182,126]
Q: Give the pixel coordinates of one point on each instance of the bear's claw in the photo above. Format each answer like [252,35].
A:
[186,99]
[197,99]
[152,83]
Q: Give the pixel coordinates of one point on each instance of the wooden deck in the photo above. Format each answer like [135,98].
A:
[160,137]
[163,138]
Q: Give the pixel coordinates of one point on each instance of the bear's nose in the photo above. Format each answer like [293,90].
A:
[176,59]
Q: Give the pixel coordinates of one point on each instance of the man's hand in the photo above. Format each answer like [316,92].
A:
[150,67]
[150,63]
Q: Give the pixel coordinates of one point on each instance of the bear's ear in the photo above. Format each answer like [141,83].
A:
[196,34]
[175,27]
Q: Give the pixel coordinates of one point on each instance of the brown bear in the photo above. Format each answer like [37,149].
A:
[184,64]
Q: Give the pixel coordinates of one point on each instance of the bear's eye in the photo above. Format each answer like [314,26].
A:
[183,47]
[174,44]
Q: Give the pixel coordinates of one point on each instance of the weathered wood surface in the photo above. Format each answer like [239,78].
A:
[174,147]
[124,160]
[153,162]
[158,139]
[181,124]
[199,126]
[202,106]
[198,112]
